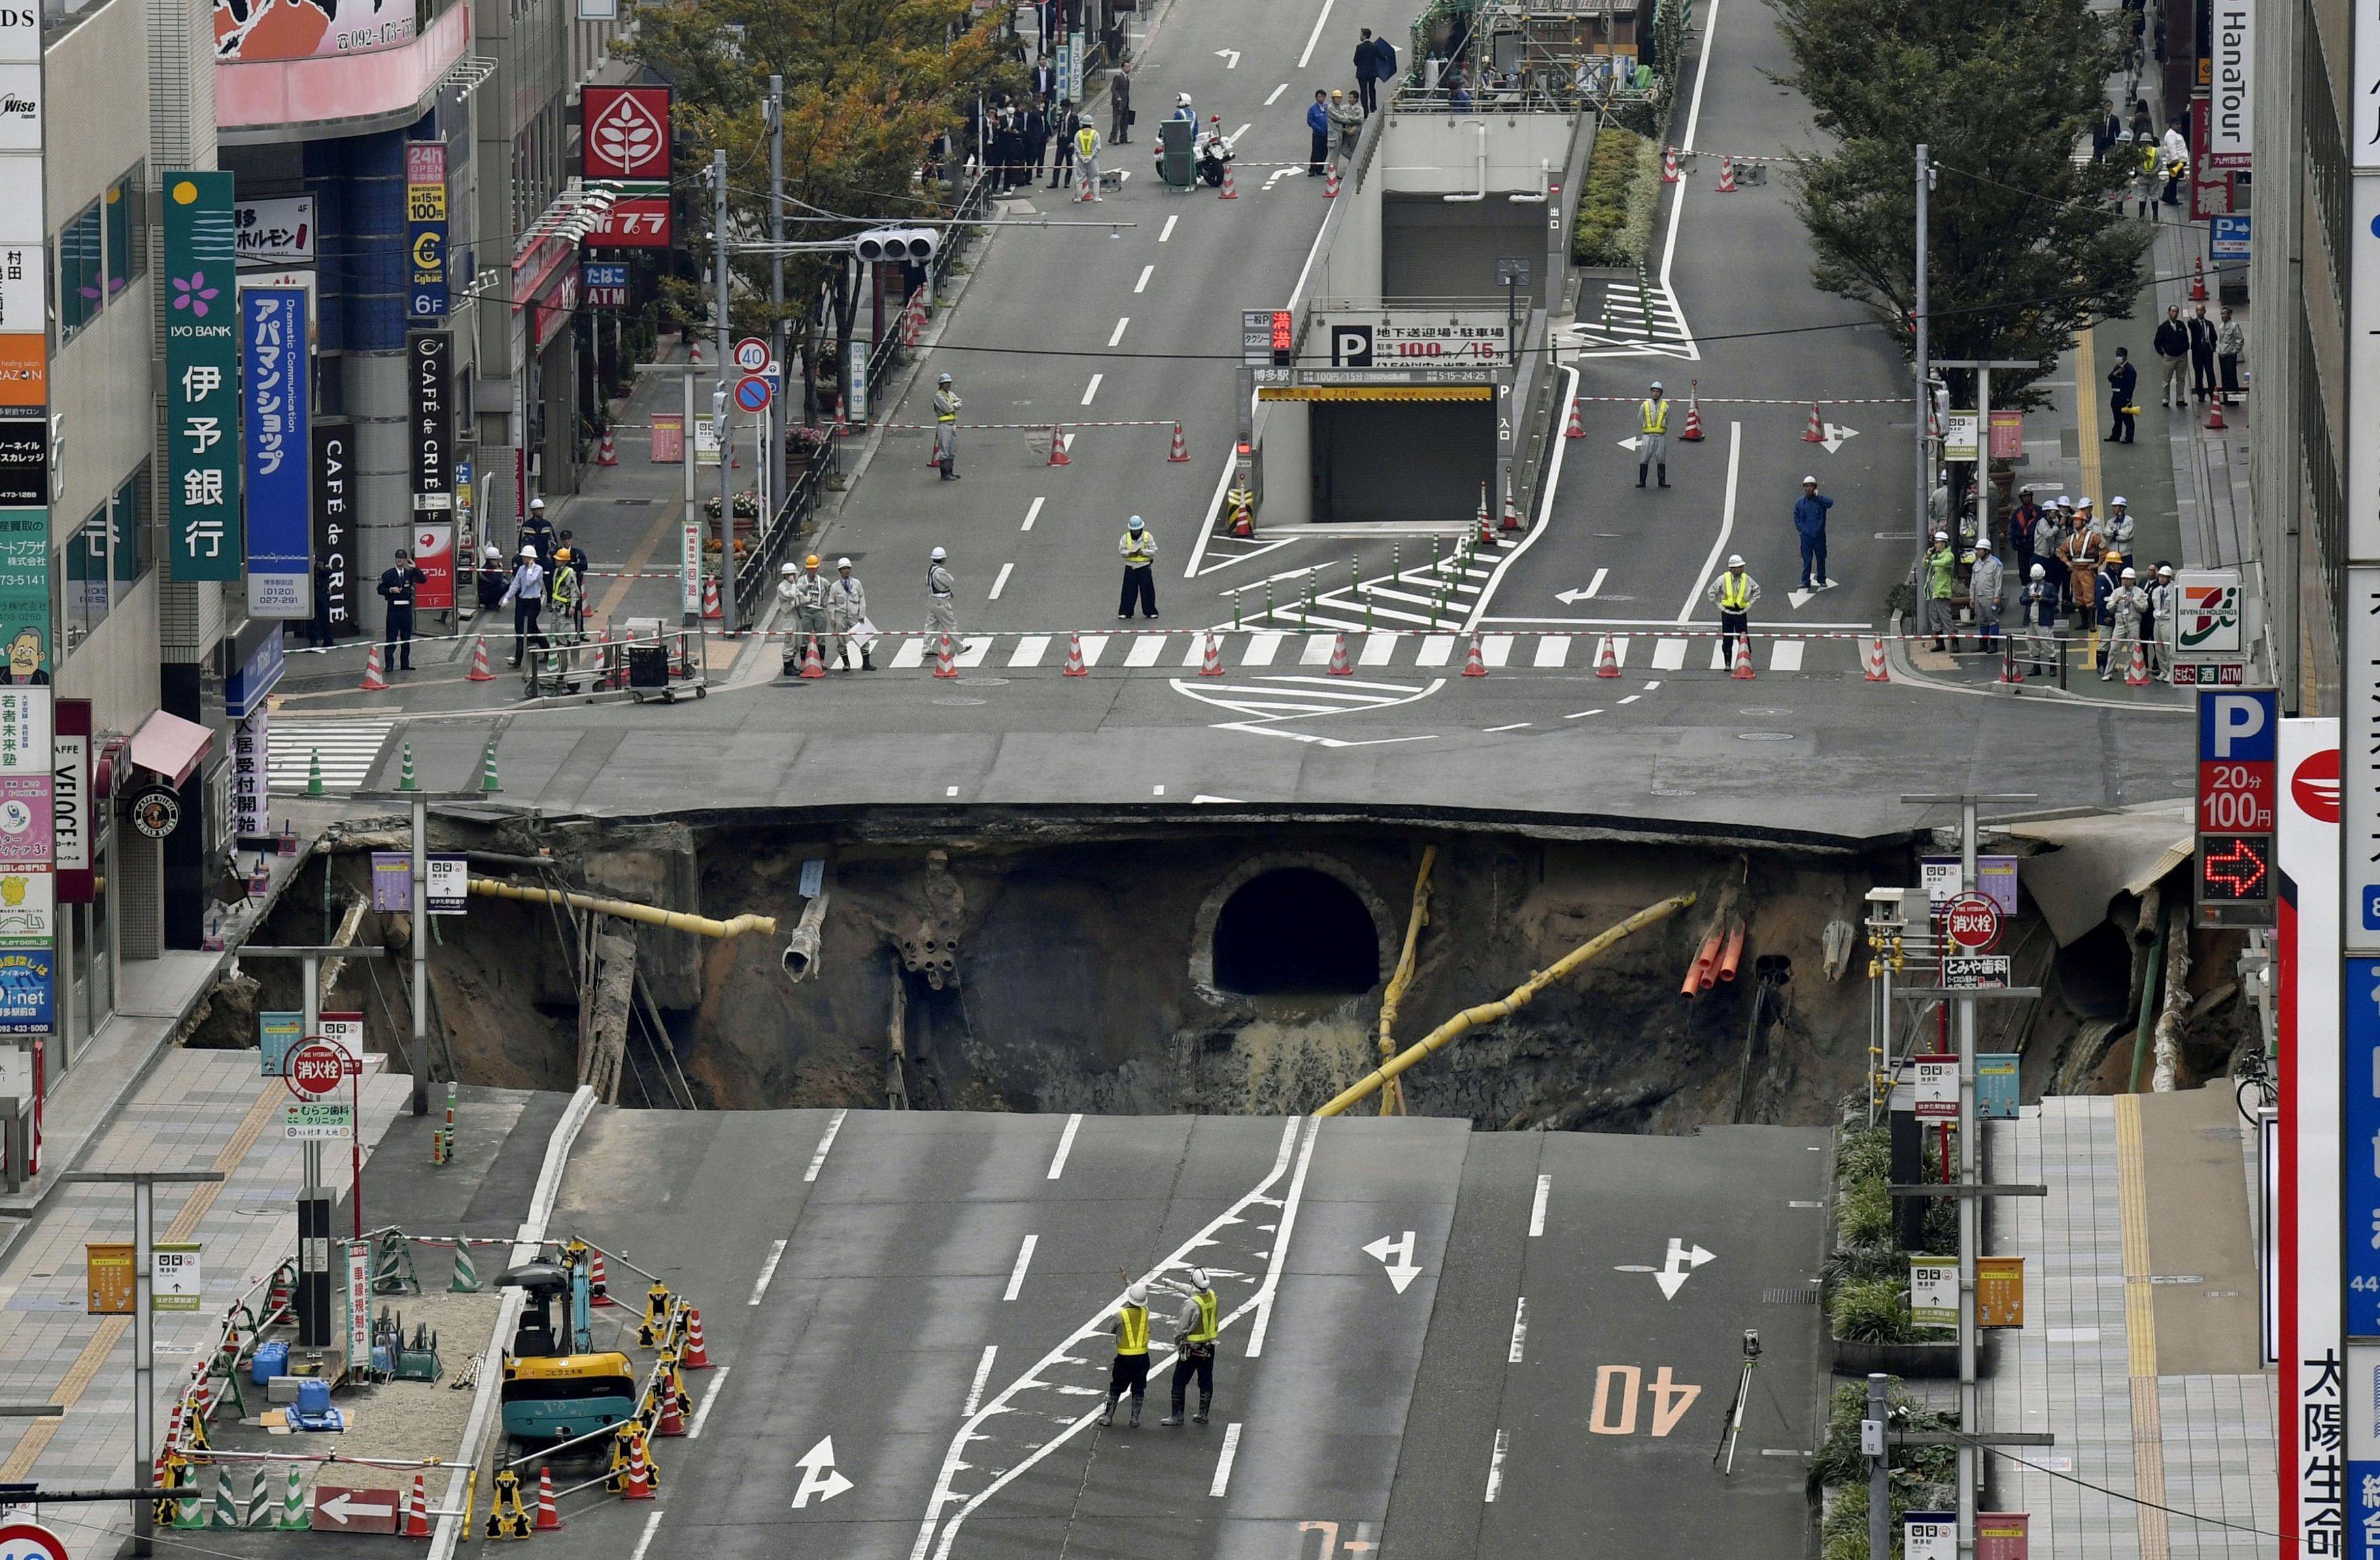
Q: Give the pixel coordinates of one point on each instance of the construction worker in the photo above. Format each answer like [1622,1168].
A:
[1736,593]
[491,577]
[1138,547]
[2127,605]
[565,595]
[2155,626]
[1131,1368]
[1653,435]
[946,429]
[1985,582]
[2121,528]
[2082,553]
[1941,584]
[2037,614]
[527,596]
[1087,152]
[1810,524]
[538,532]
[846,608]
[1194,1339]
[396,587]
[941,607]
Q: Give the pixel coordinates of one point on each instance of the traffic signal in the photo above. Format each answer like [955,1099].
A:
[896,243]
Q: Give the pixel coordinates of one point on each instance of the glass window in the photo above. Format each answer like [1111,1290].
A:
[127,248]
[80,282]
[131,512]
[87,592]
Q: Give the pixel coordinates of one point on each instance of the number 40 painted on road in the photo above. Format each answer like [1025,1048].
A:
[1615,1410]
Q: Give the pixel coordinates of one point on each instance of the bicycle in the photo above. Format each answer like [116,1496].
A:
[2252,1069]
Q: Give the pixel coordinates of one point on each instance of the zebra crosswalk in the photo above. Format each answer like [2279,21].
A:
[1258,649]
[1631,322]
[347,748]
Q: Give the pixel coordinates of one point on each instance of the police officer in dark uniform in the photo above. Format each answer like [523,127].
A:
[319,634]
[396,587]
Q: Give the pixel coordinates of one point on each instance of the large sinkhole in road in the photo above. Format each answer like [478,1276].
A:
[1295,932]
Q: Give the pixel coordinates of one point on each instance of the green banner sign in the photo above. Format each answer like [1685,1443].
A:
[25,595]
[204,540]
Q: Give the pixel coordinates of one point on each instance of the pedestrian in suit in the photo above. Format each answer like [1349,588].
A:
[2123,382]
[2202,355]
[1036,138]
[1119,104]
[1062,126]
[2173,351]
[1367,92]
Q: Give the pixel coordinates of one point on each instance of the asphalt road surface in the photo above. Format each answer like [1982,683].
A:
[1437,1343]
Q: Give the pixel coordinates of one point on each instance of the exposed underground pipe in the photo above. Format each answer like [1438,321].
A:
[674,920]
[1392,1097]
[1481,193]
[802,947]
[1520,997]
[1702,961]
[1732,955]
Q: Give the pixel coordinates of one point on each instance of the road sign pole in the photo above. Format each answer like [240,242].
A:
[1880,1469]
[144,1360]
[420,1057]
[719,262]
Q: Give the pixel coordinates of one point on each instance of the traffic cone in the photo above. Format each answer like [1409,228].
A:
[1180,455]
[696,1357]
[417,1510]
[1212,667]
[372,682]
[944,664]
[596,1283]
[293,1502]
[694,352]
[1058,445]
[1511,520]
[1742,672]
[1487,529]
[1727,175]
[2011,669]
[549,1515]
[1074,667]
[1670,165]
[813,667]
[842,424]
[1339,667]
[672,1420]
[1243,512]
[1875,672]
[2197,279]
[478,671]
[2215,423]
[488,786]
[1607,664]
[314,772]
[1231,191]
[1330,185]
[1693,434]
[1474,667]
[1576,429]
[2136,671]
[607,456]
[710,598]
[641,1480]
[1816,433]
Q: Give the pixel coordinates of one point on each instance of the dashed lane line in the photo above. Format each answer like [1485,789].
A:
[982,1375]
[1520,1330]
[769,1268]
[817,1160]
[1546,1183]
[1065,1145]
[1024,1261]
[703,1414]
[1034,512]
[1495,1467]
[1223,1462]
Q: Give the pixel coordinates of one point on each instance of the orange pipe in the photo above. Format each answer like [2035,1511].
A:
[1698,972]
[1733,954]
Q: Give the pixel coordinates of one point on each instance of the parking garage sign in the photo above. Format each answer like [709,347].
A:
[1419,338]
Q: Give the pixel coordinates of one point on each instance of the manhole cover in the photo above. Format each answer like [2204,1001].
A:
[1764,737]
[955,699]
[984,682]
[1668,791]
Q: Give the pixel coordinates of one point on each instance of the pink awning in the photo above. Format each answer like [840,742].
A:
[170,746]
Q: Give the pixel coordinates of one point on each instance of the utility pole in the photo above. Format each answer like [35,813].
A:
[718,398]
[777,344]
[692,617]
[1984,367]
[1924,372]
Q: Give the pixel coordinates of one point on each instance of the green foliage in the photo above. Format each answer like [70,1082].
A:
[2025,246]
[1870,1311]
[1862,1206]
[1622,177]
[1916,1481]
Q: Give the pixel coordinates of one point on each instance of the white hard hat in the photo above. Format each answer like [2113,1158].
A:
[1735,560]
[2039,572]
[2117,499]
[843,562]
[536,504]
[790,568]
[1181,100]
[1656,384]
[1941,536]
[1198,1276]
[2064,502]
[938,555]
[944,380]
[491,553]
[1135,524]
[1985,545]
[2165,572]
[528,554]
[1136,1295]
[1809,482]
[2083,503]
[2129,574]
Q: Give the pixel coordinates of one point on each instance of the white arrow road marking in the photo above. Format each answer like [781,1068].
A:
[1572,598]
[1678,1266]
[1230,59]
[1836,434]
[1630,442]
[1277,175]
[343,1506]
[818,1478]
[1800,598]
[1402,1271]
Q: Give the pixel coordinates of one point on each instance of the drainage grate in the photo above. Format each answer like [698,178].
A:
[1789,1296]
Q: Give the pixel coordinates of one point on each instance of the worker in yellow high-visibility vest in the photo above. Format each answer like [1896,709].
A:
[1131,1370]
[1195,1332]
[1734,591]
[1653,435]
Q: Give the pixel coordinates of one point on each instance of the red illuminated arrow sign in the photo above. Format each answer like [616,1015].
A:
[2238,869]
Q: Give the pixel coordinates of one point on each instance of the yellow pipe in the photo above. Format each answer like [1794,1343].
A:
[1392,1100]
[1521,995]
[676,920]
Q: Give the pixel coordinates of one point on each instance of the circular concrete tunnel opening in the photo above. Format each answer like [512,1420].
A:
[1295,932]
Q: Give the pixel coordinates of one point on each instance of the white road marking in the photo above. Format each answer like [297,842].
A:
[1520,1330]
[1261,648]
[1544,1183]
[1594,586]
[1092,388]
[1024,1261]
[1145,272]
[1093,644]
[1786,656]
[1491,730]
[1378,649]
[1238,133]
[1168,231]
[911,654]
[982,1375]
[1632,699]
[1544,510]
[769,1268]
[1116,339]
[1276,95]
[1317,36]
[1065,1145]
[1230,59]
[834,1123]
[702,1413]
[1581,715]
[952,791]
[1034,513]
[1552,649]
[1495,1467]
[1436,651]
[1263,1301]
[1276,176]
[644,1542]
[1669,655]
[1651,686]
[1000,581]
[1224,1463]
[1146,648]
[1031,648]
[1726,513]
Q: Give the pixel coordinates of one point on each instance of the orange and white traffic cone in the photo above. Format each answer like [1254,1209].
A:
[2197,279]
[842,424]
[1670,165]
[2215,423]
[1693,434]
[2136,671]
[596,1286]
[606,455]
[672,1419]
[478,671]
[1742,672]
[945,663]
[1231,190]
[1074,667]
[639,1485]
[549,1515]
[694,352]
[2011,668]
[1511,520]
[1574,428]
[1244,525]
[1058,456]
[417,1510]
[813,665]
[1330,185]
[1339,667]
[1474,667]
[1816,433]
[1181,455]
[1486,526]
[1607,663]
[695,1358]
[711,608]
[1875,672]
[1212,667]
[374,682]
[1727,175]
